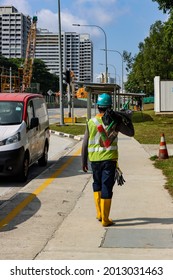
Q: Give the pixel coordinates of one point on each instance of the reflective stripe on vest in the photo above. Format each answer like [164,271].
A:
[101,149]
[96,139]
[95,151]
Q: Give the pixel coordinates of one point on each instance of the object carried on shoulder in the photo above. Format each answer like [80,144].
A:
[122,121]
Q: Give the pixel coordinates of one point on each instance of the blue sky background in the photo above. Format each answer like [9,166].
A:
[125,22]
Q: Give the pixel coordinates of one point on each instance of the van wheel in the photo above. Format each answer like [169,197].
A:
[23,175]
[44,159]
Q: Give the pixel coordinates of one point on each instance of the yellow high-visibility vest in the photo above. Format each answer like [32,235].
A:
[95,151]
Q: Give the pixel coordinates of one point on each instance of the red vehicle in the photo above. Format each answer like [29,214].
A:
[24,133]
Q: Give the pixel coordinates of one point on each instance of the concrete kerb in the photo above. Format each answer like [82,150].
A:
[75,137]
[151,149]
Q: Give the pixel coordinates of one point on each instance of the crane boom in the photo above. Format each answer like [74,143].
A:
[30,53]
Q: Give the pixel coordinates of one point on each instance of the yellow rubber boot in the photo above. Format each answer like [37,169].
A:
[97,200]
[105,210]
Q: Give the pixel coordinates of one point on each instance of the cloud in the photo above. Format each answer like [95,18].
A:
[81,11]
[95,2]
[68,19]
[100,11]
[46,18]
[21,5]
[49,20]
[100,15]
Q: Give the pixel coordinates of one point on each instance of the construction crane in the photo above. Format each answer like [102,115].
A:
[30,53]
[9,82]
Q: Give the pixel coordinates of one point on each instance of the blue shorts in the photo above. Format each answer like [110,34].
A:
[104,177]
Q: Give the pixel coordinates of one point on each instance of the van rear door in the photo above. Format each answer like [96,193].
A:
[40,111]
[32,133]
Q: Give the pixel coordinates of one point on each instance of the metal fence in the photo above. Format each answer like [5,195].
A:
[52,101]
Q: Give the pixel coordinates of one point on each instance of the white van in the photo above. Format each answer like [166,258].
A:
[24,133]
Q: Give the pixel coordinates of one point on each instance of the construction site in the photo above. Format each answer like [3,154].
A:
[22,81]
[85,93]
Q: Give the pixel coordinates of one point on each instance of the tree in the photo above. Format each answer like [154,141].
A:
[7,65]
[129,60]
[165,5]
[42,76]
[40,73]
[155,58]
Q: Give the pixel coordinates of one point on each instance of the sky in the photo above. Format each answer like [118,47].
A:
[125,23]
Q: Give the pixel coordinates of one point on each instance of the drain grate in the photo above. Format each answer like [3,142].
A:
[138,238]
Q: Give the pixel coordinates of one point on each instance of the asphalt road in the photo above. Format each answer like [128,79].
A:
[59,146]
[54,113]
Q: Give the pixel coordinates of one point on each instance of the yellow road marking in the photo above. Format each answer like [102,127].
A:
[43,186]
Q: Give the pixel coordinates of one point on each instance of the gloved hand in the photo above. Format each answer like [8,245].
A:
[110,116]
[122,121]
[85,168]
[119,177]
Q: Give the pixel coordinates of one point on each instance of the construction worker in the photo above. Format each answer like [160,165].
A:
[103,155]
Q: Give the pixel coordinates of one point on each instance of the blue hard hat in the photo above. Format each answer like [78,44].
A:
[104,100]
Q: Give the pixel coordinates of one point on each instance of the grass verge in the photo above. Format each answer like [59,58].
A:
[148,130]
[166,167]
[74,129]
[149,127]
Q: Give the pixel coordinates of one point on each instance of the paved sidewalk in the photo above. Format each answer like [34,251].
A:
[142,210]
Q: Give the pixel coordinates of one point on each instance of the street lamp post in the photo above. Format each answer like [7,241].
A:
[114,70]
[93,25]
[60,69]
[122,79]
[119,79]
[115,90]
[114,83]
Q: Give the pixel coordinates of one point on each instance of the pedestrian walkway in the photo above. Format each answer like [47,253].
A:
[142,210]
[53,217]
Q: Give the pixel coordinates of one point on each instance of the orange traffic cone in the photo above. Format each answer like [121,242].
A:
[163,153]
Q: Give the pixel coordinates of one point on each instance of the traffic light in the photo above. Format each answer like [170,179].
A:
[68,77]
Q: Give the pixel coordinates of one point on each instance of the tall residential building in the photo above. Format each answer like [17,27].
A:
[77,49]
[14,28]
[77,53]
[86,59]
[47,49]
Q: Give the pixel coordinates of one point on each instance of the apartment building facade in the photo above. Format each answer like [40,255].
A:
[47,49]
[85,58]
[77,53]
[14,28]
[77,49]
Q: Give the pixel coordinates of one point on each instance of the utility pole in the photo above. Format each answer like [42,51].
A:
[10,80]
[60,69]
